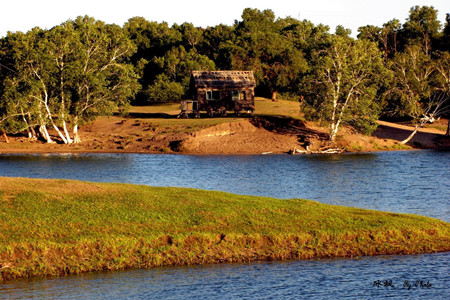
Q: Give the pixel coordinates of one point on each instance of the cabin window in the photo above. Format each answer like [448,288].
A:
[212,95]
[237,95]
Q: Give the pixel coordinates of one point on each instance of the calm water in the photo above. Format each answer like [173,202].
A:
[318,279]
[412,182]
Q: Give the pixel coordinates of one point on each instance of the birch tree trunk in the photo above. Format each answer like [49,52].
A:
[61,135]
[76,136]
[42,128]
[68,140]
[334,124]
[411,135]
[448,127]
[274,96]
[6,137]
[416,129]
[49,116]
[44,133]
[47,110]
[30,135]
[33,133]
[336,92]
[334,130]
[30,132]
[66,132]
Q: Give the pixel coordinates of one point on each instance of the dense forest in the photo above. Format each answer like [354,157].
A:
[68,75]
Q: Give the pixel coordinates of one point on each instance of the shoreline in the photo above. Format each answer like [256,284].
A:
[277,128]
[232,138]
[208,154]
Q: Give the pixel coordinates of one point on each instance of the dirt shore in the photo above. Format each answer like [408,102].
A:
[245,135]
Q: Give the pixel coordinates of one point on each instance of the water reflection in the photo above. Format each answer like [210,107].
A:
[318,279]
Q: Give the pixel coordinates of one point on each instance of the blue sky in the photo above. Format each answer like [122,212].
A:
[22,15]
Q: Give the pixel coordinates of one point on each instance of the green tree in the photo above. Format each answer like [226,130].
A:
[343,84]
[442,87]
[420,88]
[262,47]
[152,39]
[177,66]
[63,49]
[444,43]
[370,32]
[422,27]
[390,33]
[31,88]
[191,35]
[305,36]
[412,71]
[6,68]
[165,90]
[342,31]
[15,108]
[71,73]
[385,37]
[216,44]
[105,80]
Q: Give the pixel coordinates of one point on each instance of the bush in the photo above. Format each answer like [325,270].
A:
[364,125]
[164,90]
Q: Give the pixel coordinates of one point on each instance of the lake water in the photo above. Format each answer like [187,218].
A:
[409,182]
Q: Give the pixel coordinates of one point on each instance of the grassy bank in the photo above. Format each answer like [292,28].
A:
[56,227]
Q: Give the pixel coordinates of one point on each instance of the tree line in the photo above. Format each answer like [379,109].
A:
[68,75]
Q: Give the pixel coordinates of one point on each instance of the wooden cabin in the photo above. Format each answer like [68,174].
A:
[217,92]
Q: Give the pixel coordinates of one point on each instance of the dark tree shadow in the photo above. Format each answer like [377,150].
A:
[422,140]
[286,125]
[151,115]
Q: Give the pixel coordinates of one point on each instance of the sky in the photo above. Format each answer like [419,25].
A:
[22,15]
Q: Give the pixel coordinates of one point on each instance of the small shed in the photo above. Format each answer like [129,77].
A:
[220,92]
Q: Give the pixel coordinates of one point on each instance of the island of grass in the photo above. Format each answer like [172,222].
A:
[57,227]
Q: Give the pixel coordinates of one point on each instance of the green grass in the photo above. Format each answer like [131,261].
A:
[55,227]
[442,127]
[398,146]
[264,107]
[279,108]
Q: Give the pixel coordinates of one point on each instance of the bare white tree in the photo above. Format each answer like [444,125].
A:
[438,105]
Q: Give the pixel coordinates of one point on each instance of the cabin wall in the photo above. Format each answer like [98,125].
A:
[226,100]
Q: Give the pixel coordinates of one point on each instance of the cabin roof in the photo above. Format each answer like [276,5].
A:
[222,79]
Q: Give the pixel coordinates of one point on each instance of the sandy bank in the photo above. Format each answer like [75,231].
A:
[262,134]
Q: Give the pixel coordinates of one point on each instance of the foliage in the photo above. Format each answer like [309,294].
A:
[177,65]
[70,74]
[164,90]
[412,73]
[342,31]
[262,46]
[216,43]
[422,27]
[342,87]
[416,53]
[152,40]
[386,37]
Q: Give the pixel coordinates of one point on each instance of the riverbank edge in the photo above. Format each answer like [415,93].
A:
[251,229]
[76,152]
[348,150]
[231,138]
